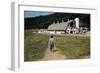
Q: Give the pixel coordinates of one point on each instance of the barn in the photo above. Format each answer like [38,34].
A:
[69,27]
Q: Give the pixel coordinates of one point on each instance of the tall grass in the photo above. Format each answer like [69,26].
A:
[73,47]
[34,45]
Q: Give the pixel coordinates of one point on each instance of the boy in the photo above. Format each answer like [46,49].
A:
[51,43]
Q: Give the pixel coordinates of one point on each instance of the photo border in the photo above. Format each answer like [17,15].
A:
[17,34]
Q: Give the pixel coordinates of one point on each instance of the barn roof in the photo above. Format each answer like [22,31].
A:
[59,26]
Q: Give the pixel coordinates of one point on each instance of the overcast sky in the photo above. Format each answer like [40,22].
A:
[28,14]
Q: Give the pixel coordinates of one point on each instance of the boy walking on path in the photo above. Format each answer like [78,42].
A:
[51,42]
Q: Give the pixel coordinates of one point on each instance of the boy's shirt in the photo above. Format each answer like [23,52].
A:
[51,41]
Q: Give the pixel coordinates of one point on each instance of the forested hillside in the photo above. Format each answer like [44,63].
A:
[44,21]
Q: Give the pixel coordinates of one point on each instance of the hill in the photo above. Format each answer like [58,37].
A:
[44,21]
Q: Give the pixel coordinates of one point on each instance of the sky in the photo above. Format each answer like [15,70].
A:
[28,14]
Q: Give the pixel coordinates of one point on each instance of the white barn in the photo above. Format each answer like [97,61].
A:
[69,27]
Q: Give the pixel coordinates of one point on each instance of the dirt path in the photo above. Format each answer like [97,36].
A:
[55,55]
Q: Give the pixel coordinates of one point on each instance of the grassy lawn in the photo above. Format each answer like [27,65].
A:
[73,47]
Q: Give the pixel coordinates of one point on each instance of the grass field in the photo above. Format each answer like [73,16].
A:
[34,45]
[73,47]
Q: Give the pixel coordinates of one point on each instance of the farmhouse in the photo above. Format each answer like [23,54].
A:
[69,27]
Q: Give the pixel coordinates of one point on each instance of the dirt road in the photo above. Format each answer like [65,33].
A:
[55,55]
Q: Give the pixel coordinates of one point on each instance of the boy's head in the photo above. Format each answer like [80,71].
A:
[51,35]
